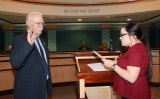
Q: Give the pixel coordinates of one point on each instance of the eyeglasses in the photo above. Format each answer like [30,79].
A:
[39,23]
[121,35]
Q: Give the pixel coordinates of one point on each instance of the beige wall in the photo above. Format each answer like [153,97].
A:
[123,8]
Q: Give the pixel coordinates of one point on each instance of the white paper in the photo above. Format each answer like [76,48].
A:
[100,56]
[97,67]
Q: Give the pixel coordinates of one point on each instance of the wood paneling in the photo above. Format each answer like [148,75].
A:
[2,58]
[63,69]
[5,65]
[63,74]
[6,80]
[156,66]
[156,74]
[62,61]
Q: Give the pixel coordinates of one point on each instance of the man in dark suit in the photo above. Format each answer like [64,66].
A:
[84,46]
[29,57]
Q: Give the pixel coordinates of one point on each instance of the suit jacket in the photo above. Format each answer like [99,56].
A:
[30,79]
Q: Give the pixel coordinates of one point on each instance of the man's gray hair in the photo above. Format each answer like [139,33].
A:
[31,15]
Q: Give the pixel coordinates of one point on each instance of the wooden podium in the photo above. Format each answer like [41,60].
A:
[87,76]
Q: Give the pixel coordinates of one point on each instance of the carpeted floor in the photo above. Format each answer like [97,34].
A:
[63,92]
[68,92]
[59,92]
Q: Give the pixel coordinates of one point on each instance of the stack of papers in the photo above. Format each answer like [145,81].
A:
[97,67]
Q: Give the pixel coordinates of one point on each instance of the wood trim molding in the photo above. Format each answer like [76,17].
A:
[79,3]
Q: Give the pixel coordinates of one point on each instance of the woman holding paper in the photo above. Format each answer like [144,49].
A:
[132,67]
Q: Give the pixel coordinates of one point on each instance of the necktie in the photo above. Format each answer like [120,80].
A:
[42,56]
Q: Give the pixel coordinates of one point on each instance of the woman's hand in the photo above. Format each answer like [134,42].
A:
[108,63]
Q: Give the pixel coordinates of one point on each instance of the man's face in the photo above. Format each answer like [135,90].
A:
[37,25]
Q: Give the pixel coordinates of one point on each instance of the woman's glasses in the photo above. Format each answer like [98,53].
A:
[121,35]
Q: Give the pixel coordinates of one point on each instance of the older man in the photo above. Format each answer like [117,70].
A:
[29,57]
